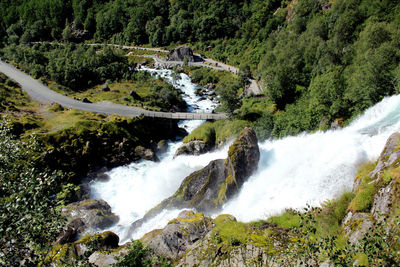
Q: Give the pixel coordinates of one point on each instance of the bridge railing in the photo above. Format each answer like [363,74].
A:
[185,116]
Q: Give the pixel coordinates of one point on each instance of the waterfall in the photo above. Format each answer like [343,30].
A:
[293,171]
[311,168]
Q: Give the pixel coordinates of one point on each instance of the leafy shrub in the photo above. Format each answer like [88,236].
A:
[28,219]
[140,256]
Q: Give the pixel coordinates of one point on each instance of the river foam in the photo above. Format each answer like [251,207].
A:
[293,171]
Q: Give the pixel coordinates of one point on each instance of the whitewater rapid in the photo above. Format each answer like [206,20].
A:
[134,189]
[293,172]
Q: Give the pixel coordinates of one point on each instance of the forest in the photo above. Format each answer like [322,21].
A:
[317,61]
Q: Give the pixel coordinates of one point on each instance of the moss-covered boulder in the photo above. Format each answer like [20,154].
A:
[242,161]
[389,157]
[77,253]
[95,214]
[194,147]
[180,233]
[208,189]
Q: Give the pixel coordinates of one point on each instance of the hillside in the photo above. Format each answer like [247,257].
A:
[320,65]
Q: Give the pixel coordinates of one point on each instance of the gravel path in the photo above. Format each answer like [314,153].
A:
[43,94]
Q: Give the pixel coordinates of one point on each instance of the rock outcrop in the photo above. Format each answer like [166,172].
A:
[195,147]
[180,233]
[208,189]
[146,154]
[92,214]
[180,53]
[389,156]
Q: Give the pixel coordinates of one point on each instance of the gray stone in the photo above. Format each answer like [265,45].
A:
[208,189]
[162,146]
[382,202]
[70,231]
[180,53]
[389,156]
[85,100]
[145,153]
[195,147]
[134,95]
[105,88]
[357,225]
[94,213]
[180,233]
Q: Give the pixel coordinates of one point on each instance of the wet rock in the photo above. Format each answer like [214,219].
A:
[180,53]
[145,153]
[102,241]
[134,95]
[242,161]
[94,213]
[103,177]
[162,146]
[110,259]
[382,202]
[70,231]
[210,86]
[195,147]
[180,233]
[208,189]
[105,88]
[389,157]
[85,100]
[357,225]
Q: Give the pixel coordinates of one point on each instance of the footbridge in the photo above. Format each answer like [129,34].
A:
[43,94]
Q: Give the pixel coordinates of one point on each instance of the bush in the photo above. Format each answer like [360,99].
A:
[140,256]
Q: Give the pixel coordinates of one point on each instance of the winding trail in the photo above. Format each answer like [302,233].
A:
[252,89]
[43,94]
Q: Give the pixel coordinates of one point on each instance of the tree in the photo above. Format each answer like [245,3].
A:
[28,219]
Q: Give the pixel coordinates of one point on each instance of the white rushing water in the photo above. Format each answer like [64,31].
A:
[136,188]
[293,171]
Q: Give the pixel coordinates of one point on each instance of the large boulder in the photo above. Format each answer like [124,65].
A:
[180,53]
[93,213]
[180,233]
[208,189]
[194,147]
[145,153]
[242,161]
[389,157]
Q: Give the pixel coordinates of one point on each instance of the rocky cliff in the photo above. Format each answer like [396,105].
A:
[208,189]
[180,54]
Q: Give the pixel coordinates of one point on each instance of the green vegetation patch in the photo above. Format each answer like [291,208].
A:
[288,219]
[365,192]
[223,130]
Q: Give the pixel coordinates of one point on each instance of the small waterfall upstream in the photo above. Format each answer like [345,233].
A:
[293,171]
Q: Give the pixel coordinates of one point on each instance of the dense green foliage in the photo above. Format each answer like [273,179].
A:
[139,255]
[74,66]
[318,61]
[28,219]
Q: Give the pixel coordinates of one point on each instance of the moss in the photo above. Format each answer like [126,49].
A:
[288,219]
[364,170]
[221,194]
[60,254]
[363,198]
[231,233]
[222,198]
[222,218]
[362,259]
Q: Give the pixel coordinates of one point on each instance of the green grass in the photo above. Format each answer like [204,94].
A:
[221,131]
[288,219]
[365,192]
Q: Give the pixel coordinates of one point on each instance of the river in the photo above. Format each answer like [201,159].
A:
[293,171]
